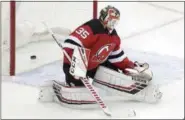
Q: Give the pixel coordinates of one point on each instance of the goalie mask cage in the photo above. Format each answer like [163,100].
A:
[23,32]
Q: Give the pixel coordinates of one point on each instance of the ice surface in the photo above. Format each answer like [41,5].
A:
[20,101]
[146,37]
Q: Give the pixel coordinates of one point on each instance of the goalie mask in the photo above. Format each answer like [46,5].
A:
[110,17]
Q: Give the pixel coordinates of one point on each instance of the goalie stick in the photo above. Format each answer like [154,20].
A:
[85,81]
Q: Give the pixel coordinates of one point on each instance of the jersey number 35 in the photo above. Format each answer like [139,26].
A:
[82,32]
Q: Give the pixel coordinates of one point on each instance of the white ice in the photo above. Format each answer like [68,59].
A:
[146,37]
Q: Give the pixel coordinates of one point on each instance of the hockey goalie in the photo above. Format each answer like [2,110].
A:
[95,53]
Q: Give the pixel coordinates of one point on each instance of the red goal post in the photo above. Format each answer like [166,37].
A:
[15,9]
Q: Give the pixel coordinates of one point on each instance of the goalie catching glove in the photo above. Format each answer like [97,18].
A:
[140,72]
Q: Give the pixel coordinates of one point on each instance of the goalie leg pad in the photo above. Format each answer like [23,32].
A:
[73,97]
[46,93]
[120,84]
[151,94]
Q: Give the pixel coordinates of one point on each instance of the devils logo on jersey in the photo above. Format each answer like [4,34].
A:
[103,53]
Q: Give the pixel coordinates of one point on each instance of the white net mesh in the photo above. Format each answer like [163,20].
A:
[62,17]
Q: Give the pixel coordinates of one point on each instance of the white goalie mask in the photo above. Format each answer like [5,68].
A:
[112,23]
[110,17]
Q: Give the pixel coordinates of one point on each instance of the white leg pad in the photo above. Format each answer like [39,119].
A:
[120,84]
[73,97]
[151,94]
[46,93]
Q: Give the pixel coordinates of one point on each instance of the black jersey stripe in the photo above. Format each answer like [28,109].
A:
[72,42]
[116,56]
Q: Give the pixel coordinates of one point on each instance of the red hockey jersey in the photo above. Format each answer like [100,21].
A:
[104,46]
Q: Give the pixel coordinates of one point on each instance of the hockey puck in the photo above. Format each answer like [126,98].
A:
[33,57]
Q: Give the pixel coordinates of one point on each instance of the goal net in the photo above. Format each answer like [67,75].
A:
[25,41]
